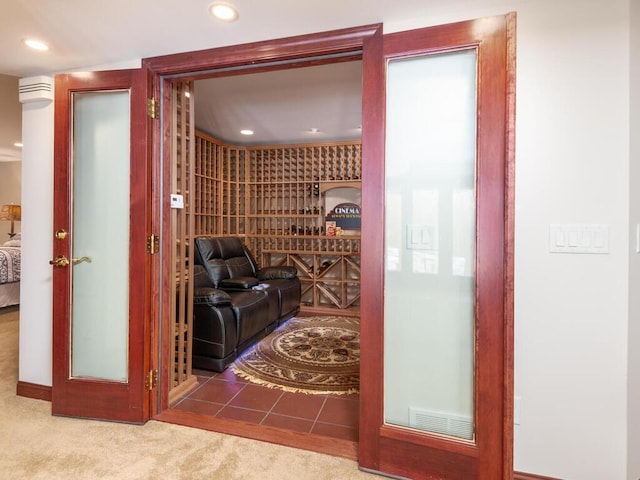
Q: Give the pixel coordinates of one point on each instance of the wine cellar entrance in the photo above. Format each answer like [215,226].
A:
[278,199]
[295,204]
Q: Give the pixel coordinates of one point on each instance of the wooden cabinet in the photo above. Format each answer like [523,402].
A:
[276,198]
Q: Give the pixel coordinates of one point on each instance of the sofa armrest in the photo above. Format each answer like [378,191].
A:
[275,273]
[212,297]
[239,283]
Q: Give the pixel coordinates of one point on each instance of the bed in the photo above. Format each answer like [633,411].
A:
[10,272]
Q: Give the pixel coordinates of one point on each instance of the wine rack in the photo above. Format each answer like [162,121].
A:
[181,377]
[274,197]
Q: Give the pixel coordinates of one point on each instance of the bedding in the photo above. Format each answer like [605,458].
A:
[9,294]
[10,272]
[9,264]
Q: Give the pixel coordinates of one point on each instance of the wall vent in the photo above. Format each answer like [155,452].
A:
[35,89]
[439,422]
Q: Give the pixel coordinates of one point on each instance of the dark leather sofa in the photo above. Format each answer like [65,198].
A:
[235,302]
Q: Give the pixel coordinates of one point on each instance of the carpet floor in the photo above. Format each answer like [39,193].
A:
[36,445]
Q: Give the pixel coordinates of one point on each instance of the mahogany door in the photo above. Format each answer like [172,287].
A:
[437,313]
[101,265]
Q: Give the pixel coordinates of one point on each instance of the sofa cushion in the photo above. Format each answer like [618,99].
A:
[201,277]
[206,249]
[217,270]
[251,309]
[239,283]
[229,247]
[239,267]
[211,296]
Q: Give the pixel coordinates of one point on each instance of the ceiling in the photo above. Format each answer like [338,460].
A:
[283,106]
[280,106]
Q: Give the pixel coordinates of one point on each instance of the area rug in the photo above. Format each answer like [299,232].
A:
[315,355]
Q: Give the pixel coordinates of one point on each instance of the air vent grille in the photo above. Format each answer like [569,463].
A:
[35,89]
[440,422]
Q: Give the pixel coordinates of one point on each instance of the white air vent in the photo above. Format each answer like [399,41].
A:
[35,89]
[440,422]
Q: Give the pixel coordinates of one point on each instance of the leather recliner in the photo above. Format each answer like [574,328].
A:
[235,302]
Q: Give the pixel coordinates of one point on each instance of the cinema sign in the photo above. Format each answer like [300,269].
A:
[346,215]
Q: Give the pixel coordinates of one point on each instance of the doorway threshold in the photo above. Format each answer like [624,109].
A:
[280,436]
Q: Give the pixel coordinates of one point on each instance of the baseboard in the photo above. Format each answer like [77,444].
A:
[33,390]
[531,476]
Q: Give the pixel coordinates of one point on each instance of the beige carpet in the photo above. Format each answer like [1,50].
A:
[35,445]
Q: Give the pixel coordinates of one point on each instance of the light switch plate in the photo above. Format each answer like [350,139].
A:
[177,201]
[591,238]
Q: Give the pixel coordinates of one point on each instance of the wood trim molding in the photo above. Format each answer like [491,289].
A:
[509,227]
[531,476]
[289,438]
[192,65]
[33,390]
[291,52]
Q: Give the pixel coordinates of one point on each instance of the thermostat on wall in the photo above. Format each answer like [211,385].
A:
[177,201]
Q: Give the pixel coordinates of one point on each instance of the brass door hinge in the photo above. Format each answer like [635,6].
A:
[153,244]
[153,108]
[151,380]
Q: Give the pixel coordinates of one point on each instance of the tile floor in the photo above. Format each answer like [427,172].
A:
[226,395]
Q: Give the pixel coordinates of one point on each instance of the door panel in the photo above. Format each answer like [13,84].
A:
[101,268]
[430,242]
[437,311]
[100,241]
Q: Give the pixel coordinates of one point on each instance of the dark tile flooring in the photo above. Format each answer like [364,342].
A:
[226,395]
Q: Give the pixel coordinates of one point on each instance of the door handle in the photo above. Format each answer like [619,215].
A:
[80,260]
[59,261]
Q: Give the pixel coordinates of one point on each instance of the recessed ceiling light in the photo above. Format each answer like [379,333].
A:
[18,144]
[314,130]
[246,132]
[36,44]
[223,11]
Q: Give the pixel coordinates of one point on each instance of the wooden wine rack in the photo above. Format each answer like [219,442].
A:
[219,188]
[273,196]
[181,378]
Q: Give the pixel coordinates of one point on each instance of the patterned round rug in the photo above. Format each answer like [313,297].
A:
[318,355]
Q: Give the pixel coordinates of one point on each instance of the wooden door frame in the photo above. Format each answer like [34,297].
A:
[496,383]
[260,56]
[292,52]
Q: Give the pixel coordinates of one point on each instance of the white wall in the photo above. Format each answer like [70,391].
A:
[633,396]
[37,244]
[573,166]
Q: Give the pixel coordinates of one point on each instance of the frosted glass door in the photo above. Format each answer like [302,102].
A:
[430,231]
[100,235]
